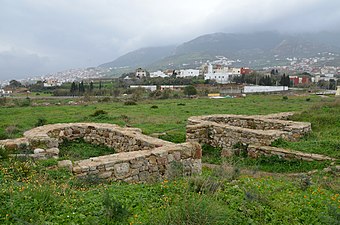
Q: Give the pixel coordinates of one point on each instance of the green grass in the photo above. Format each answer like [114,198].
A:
[79,149]
[39,193]
[276,165]
[45,196]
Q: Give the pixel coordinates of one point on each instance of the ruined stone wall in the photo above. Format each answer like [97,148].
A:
[142,166]
[138,157]
[254,151]
[225,131]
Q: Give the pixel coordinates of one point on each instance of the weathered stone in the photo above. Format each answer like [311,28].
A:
[38,150]
[121,169]
[143,176]
[53,151]
[66,164]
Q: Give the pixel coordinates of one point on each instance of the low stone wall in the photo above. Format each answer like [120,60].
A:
[146,165]
[138,157]
[255,151]
[225,131]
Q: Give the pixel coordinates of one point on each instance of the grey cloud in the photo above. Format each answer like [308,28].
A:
[80,33]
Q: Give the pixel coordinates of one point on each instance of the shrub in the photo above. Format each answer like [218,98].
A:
[98,112]
[211,154]
[193,209]
[181,104]
[130,102]
[154,107]
[11,130]
[285,98]
[114,210]
[41,122]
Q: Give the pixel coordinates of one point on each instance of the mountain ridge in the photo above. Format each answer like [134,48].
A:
[258,46]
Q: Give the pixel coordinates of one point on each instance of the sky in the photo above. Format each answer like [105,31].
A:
[45,36]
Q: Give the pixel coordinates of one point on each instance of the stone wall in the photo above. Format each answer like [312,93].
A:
[145,165]
[138,157]
[225,131]
[255,151]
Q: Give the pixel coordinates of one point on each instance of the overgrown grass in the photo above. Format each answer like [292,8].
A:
[276,164]
[79,149]
[39,193]
[39,197]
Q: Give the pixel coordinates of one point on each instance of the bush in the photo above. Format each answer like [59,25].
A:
[154,107]
[41,122]
[190,90]
[98,112]
[130,103]
[114,210]
[11,130]
[285,98]
[193,209]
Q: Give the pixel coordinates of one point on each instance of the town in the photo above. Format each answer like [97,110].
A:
[301,73]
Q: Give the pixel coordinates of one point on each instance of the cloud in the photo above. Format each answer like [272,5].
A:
[61,34]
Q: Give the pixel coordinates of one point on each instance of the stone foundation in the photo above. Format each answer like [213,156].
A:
[226,131]
[138,157]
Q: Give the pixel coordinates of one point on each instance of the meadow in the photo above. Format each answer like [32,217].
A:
[36,192]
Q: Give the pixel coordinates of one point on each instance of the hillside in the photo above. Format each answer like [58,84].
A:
[259,47]
[141,57]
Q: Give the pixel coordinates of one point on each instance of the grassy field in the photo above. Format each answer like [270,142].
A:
[170,116]
[39,193]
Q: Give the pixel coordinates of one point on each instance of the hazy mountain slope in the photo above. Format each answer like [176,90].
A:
[141,57]
[259,47]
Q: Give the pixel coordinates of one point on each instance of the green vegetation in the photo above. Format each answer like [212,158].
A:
[31,193]
[79,149]
[36,192]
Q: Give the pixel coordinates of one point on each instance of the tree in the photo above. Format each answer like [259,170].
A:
[285,81]
[190,90]
[73,89]
[81,87]
[14,84]
[91,86]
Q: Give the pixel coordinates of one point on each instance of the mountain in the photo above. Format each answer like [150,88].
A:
[247,48]
[141,57]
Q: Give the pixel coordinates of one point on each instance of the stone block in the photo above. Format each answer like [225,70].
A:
[52,151]
[66,164]
[121,169]
[38,151]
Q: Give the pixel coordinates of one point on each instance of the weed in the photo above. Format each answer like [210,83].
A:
[211,154]
[114,210]
[79,149]
[305,182]
[130,102]
[41,122]
[98,113]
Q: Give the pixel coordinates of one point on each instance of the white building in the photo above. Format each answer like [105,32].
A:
[337,91]
[261,89]
[4,93]
[220,76]
[188,73]
[158,74]
[52,83]
[140,73]
[147,87]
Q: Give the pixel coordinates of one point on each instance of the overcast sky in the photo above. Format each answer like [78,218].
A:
[42,36]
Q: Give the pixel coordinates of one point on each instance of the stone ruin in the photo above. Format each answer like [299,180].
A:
[138,158]
[255,133]
[141,158]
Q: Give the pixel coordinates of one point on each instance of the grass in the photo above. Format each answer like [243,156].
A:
[79,149]
[36,192]
[277,165]
[45,197]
